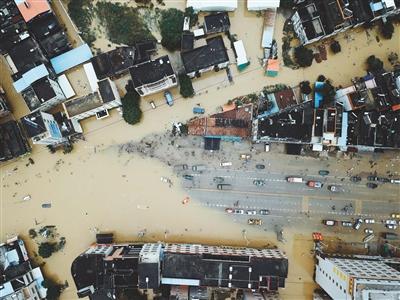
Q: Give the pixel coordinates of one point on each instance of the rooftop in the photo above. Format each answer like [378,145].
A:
[12,142]
[206,56]
[33,124]
[212,5]
[105,90]
[72,58]
[32,8]
[38,93]
[80,105]
[12,25]
[151,71]
[218,22]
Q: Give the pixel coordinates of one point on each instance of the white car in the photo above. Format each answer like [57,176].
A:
[369,221]
[251,212]
[391,222]
[390,226]
[368,230]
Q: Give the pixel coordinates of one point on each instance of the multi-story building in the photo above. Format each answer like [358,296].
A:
[153,76]
[18,280]
[115,268]
[357,277]
[212,56]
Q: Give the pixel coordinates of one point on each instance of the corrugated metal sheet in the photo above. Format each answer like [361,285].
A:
[71,58]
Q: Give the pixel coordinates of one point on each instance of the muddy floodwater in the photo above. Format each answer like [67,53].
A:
[98,188]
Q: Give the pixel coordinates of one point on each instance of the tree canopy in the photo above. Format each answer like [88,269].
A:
[131,111]
[305,87]
[387,29]
[303,56]
[171,27]
[186,87]
[374,64]
[53,289]
[47,249]
[335,47]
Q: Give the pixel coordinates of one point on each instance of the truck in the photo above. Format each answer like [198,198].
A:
[199,168]
[198,110]
[294,179]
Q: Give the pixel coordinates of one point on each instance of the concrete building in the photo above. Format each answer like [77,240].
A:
[153,76]
[357,278]
[212,56]
[216,23]
[18,280]
[176,269]
[212,5]
[42,128]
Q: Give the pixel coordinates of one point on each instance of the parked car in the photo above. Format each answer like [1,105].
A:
[357,224]
[153,105]
[225,164]
[263,212]
[395,181]
[335,188]
[266,147]
[372,185]
[368,230]
[238,211]
[229,210]
[181,167]
[314,184]
[224,186]
[383,179]
[355,178]
[323,172]
[254,222]
[369,221]
[395,215]
[168,98]
[391,222]
[372,178]
[294,179]
[258,182]
[390,235]
[188,177]
[245,156]
[391,226]
[251,212]
[198,110]
[329,222]
[347,224]
[218,179]
[260,166]
[199,168]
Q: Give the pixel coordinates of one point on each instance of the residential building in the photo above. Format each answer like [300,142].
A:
[153,76]
[212,5]
[4,109]
[257,5]
[185,268]
[314,20]
[42,128]
[358,277]
[212,56]
[18,279]
[216,23]
[71,59]
[12,143]
[30,9]
[96,103]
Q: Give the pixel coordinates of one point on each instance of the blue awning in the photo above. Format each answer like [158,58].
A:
[30,77]
[71,58]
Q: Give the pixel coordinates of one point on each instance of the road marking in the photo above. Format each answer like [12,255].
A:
[304,204]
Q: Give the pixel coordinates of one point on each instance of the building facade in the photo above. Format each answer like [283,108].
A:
[357,278]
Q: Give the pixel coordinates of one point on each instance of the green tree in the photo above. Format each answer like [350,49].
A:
[131,111]
[124,24]
[53,289]
[303,56]
[47,249]
[374,64]
[387,29]
[305,87]
[171,26]
[194,17]
[335,47]
[186,87]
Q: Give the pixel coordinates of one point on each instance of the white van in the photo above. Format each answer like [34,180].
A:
[294,179]
[396,181]
[226,164]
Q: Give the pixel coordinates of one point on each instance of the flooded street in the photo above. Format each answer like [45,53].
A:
[97,188]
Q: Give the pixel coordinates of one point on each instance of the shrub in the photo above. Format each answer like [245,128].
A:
[186,87]
[303,56]
[374,64]
[171,26]
[305,87]
[335,47]
[131,111]
[47,249]
[80,13]
[53,289]
[124,24]
[387,29]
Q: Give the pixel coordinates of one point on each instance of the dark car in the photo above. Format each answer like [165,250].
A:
[357,224]
[260,166]
[264,212]
[355,178]
[188,177]
[372,185]
[323,172]
[372,178]
[383,179]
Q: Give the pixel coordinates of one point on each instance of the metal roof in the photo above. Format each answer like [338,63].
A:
[30,77]
[72,58]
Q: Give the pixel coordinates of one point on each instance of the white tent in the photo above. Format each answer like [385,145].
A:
[212,5]
[262,4]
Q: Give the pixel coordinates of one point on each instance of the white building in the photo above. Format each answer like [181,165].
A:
[42,128]
[257,5]
[212,5]
[361,278]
